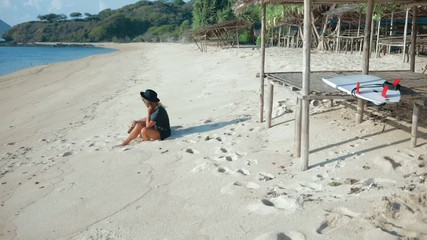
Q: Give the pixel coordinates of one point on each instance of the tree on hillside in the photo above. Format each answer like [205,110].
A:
[105,13]
[52,17]
[75,15]
[178,3]
[92,17]
[209,12]
[165,20]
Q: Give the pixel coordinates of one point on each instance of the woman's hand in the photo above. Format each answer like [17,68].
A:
[150,109]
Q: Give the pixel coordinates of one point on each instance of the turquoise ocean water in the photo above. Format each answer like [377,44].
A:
[13,59]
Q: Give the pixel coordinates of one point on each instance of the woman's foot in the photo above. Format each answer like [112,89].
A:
[121,145]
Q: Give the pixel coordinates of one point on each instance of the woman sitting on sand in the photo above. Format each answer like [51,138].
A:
[153,127]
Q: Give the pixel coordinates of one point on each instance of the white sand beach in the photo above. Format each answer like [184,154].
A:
[222,174]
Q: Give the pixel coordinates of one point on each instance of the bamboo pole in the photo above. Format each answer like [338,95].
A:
[306,86]
[297,134]
[261,89]
[366,52]
[405,32]
[377,47]
[413,38]
[414,129]
[338,34]
[391,31]
[270,103]
[358,26]
[371,41]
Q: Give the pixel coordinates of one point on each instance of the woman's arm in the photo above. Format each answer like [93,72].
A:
[142,120]
[148,122]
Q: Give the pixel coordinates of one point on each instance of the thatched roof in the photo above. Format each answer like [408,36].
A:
[229,26]
[242,4]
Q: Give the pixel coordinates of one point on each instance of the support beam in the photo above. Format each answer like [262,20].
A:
[338,34]
[270,103]
[261,88]
[358,25]
[405,33]
[413,39]
[414,130]
[366,52]
[305,113]
[377,45]
[297,135]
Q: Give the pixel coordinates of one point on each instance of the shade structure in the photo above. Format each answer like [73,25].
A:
[414,2]
[241,4]
[303,100]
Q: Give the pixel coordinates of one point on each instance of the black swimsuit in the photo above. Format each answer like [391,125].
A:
[160,116]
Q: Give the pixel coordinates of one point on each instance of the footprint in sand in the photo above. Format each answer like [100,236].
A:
[293,235]
[252,185]
[284,202]
[228,189]
[203,167]
[387,163]
[335,219]
[244,171]
[191,151]
[224,170]
[265,176]
[251,162]
[230,158]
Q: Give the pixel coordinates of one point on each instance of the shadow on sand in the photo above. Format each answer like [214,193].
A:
[179,131]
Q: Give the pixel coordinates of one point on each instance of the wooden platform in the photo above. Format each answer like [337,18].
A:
[413,85]
[413,89]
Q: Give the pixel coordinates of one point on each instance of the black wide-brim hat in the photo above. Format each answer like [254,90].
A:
[150,95]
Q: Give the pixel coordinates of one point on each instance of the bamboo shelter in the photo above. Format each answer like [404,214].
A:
[221,34]
[302,119]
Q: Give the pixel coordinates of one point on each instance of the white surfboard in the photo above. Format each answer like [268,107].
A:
[370,88]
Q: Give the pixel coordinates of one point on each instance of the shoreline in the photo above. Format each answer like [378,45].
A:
[51,58]
[222,174]
[48,44]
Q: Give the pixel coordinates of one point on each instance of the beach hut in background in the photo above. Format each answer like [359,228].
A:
[221,34]
[395,31]
[302,123]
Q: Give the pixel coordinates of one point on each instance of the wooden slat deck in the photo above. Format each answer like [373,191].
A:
[413,85]
[413,88]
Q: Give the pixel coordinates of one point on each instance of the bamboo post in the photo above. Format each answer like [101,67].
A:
[405,32]
[358,26]
[366,51]
[338,34]
[413,38]
[297,134]
[306,86]
[270,103]
[414,130]
[261,89]
[377,49]
[371,41]
[237,37]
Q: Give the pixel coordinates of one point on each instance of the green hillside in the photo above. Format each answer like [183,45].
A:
[142,21]
[3,28]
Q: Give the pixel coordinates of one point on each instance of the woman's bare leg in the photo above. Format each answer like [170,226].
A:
[150,134]
[133,134]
